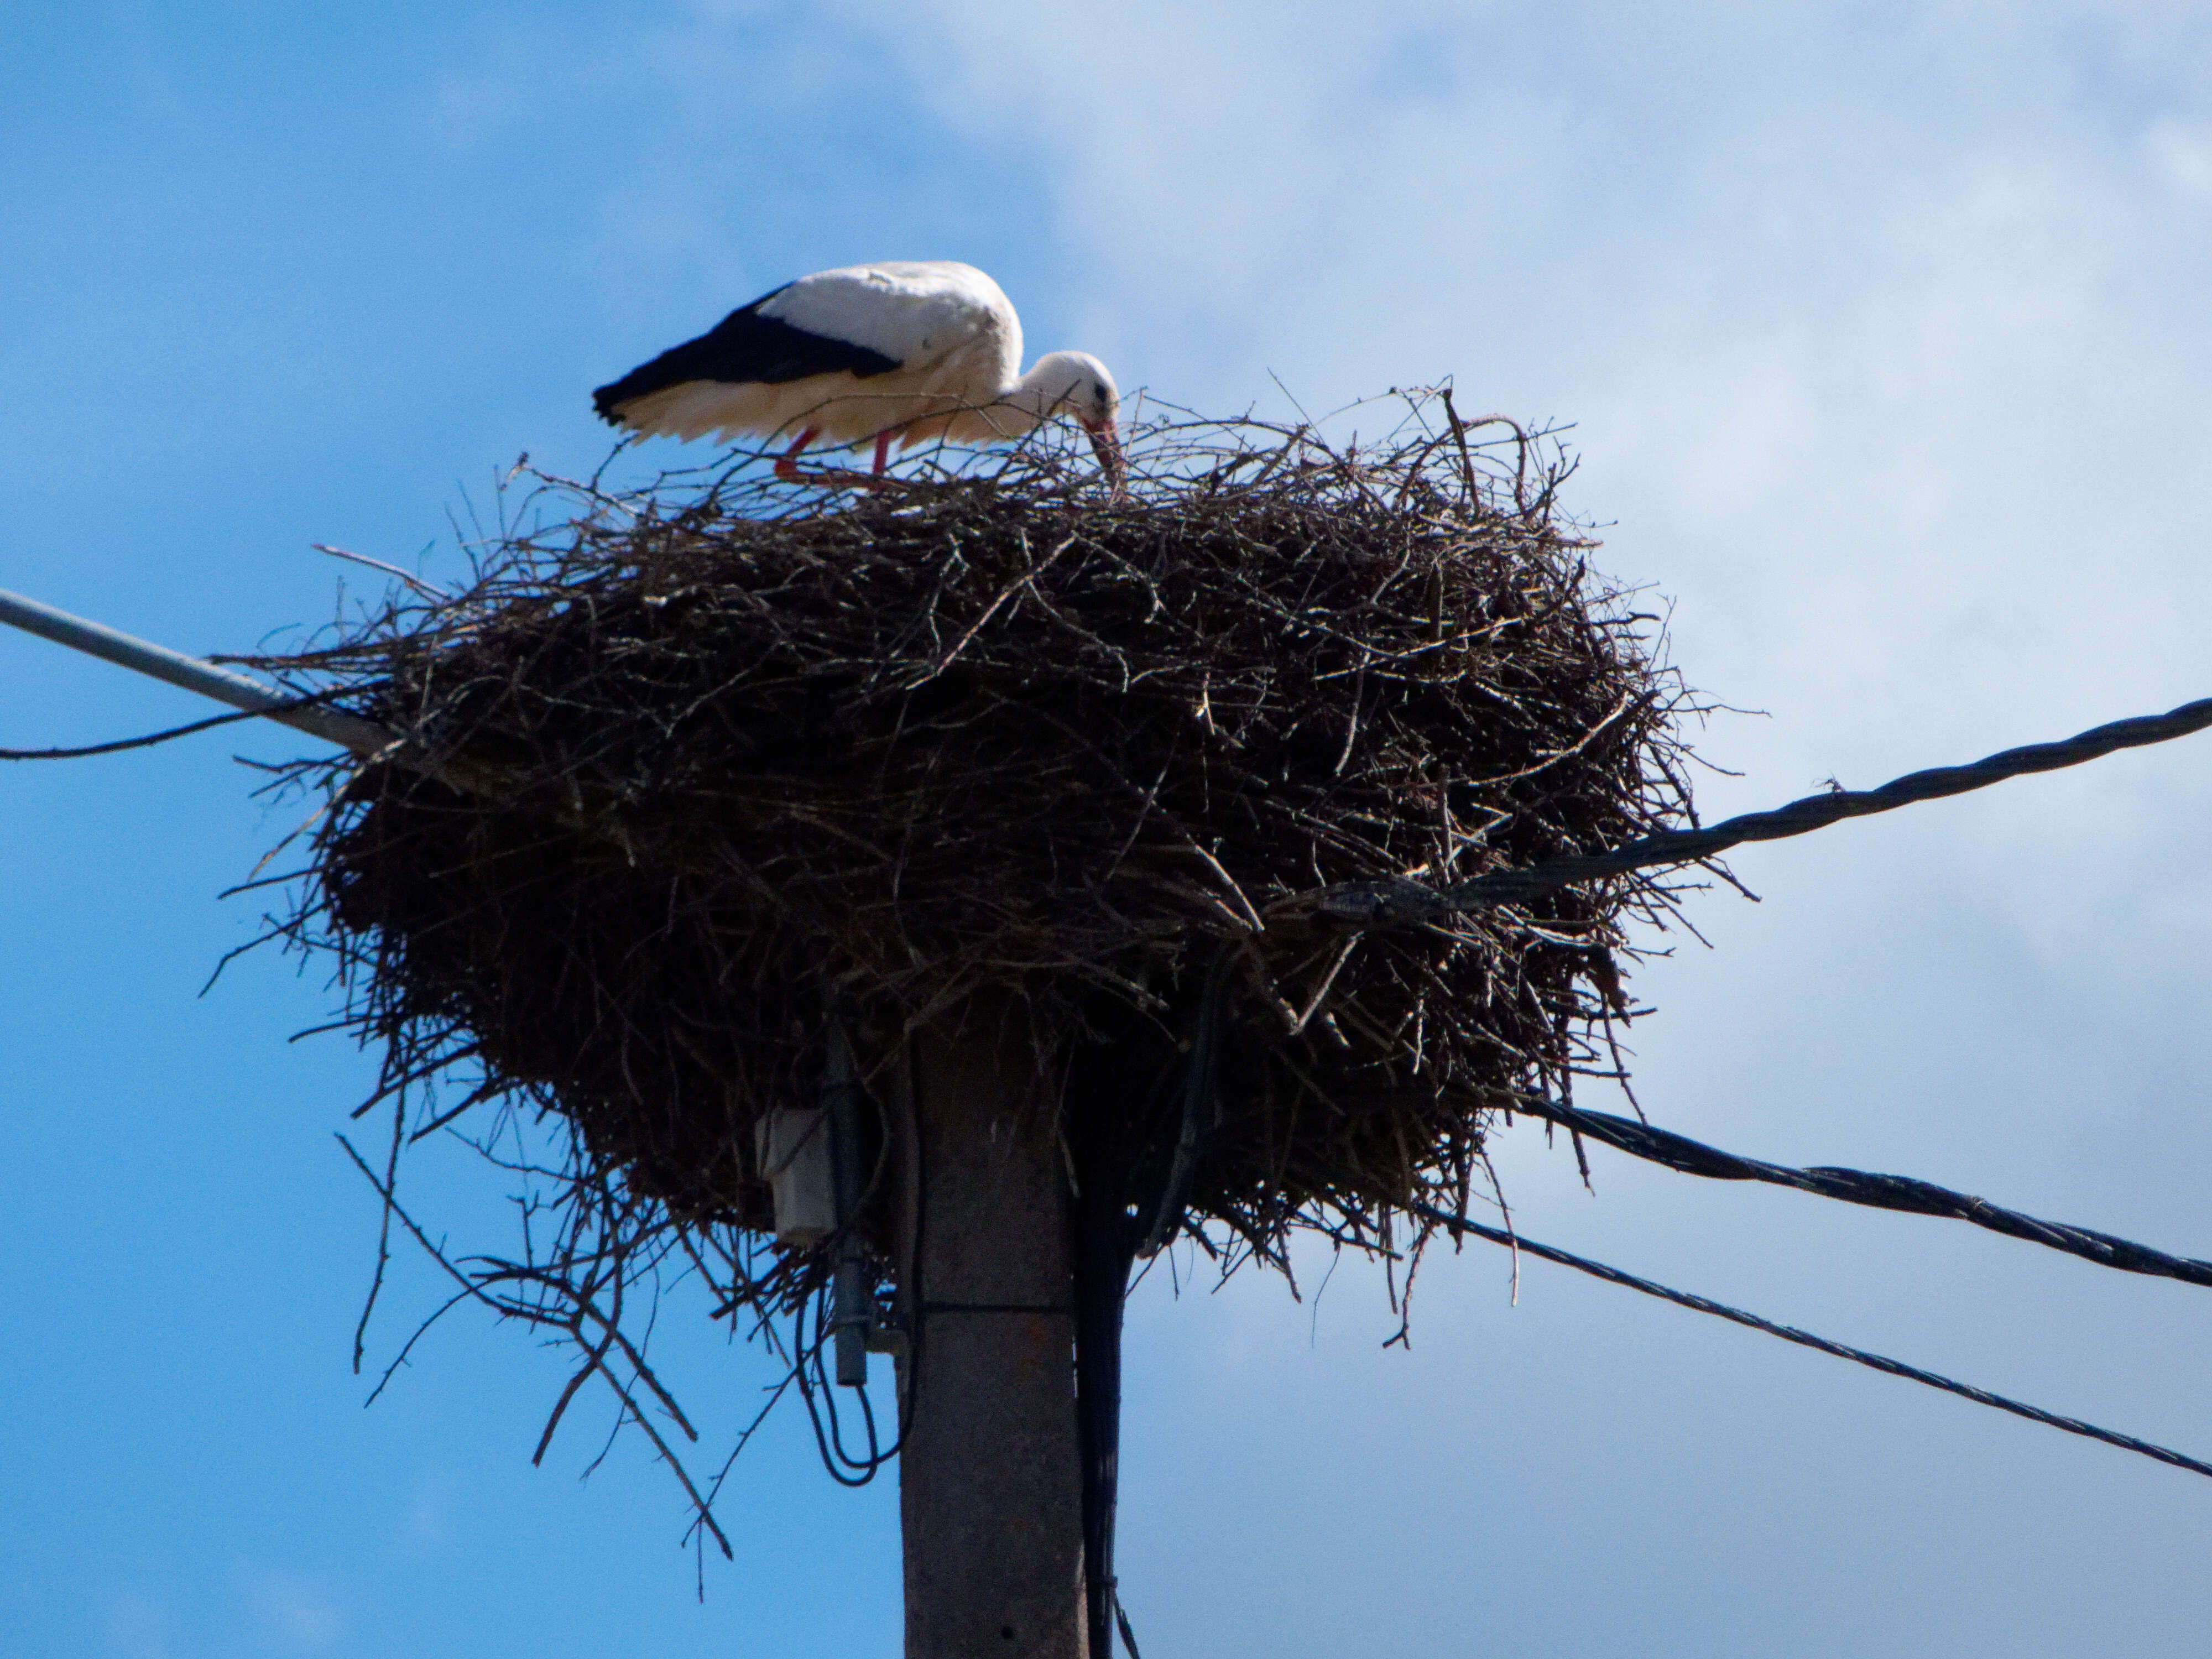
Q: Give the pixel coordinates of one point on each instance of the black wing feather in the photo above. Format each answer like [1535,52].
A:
[743,348]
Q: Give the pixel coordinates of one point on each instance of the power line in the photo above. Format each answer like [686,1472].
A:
[1397,901]
[121,744]
[1459,1225]
[1880,1192]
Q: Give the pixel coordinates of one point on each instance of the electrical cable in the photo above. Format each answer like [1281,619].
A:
[122,743]
[1882,1192]
[812,1376]
[1397,901]
[1460,1227]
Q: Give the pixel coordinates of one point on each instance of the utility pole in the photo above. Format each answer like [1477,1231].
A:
[990,1478]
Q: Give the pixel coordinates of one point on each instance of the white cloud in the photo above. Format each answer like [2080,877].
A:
[429,1514]
[2182,154]
[292,1612]
[138,1626]
[1888,360]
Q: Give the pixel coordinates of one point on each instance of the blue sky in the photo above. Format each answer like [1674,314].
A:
[1884,329]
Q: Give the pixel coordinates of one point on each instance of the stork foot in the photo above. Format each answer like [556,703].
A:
[787,465]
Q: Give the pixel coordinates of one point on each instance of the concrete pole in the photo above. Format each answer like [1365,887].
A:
[990,1479]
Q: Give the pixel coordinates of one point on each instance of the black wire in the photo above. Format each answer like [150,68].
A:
[1882,1192]
[1201,1104]
[809,1356]
[1121,1622]
[1459,1225]
[122,743]
[831,1442]
[1117,1214]
[875,1459]
[1398,899]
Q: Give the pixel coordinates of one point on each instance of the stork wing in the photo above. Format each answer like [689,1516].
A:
[918,311]
[745,348]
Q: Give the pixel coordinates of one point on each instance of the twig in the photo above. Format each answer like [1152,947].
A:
[428,590]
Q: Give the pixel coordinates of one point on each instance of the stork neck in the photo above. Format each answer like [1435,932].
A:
[1028,400]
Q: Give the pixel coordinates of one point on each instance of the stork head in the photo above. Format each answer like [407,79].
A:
[1076,385]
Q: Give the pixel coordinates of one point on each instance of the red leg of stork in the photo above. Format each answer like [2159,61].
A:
[787,466]
[882,451]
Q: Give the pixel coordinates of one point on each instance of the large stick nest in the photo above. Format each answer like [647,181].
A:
[759,748]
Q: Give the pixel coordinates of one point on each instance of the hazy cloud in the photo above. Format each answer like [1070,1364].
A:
[2182,152]
[138,1626]
[292,1612]
[429,1516]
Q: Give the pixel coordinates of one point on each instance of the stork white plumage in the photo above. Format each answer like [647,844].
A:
[910,351]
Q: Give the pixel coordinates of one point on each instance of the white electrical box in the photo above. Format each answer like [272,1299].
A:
[792,1145]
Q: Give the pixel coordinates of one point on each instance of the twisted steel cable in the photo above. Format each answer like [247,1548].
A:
[1399,901]
[1882,1191]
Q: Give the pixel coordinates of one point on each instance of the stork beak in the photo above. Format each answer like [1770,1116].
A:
[1108,444]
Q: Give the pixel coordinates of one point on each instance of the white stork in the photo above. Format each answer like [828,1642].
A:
[910,350]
